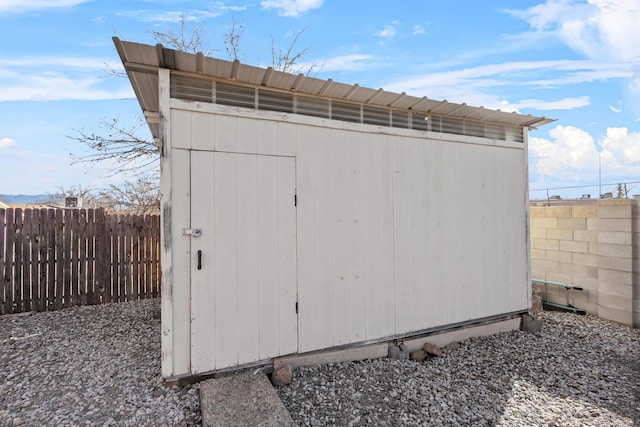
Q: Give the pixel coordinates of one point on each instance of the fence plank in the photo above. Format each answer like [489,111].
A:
[73,264]
[90,257]
[122,260]
[51,259]
[4,281]
[101,257]
[9,277]
[60,260]
[112,230]
[25,234]
[115,271]
[34,259]
[40,261]
[17,265]
[56,258]
[66,297]
[147,257]
[135,258]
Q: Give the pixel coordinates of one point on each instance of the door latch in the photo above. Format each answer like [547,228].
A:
[193,232]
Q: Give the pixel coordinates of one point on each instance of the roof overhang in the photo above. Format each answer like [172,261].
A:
[142,62]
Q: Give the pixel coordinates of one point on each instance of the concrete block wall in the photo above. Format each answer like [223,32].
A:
[595,247]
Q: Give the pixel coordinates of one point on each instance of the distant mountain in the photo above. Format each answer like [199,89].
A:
[23,199]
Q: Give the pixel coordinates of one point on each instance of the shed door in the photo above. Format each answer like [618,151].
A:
[243,263]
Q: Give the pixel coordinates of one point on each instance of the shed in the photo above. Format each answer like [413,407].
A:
[302,214]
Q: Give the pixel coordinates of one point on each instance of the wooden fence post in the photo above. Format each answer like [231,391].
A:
[102,259]
[90,257]
[17,263]
[51,259]
[4,280]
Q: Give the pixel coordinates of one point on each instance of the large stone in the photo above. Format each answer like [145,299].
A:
[530,323]
[405,351]
[246,399]
[396,353]
[419,355]
[536,306]
[283,375]
[432,349]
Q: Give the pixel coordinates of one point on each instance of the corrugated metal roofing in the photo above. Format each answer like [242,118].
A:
[142,61]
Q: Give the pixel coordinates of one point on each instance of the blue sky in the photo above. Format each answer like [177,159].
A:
[577,61]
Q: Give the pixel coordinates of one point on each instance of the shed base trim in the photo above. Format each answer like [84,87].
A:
[377,349]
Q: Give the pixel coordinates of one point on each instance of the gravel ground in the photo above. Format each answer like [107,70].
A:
[100,365]
[578,371]
[96,365]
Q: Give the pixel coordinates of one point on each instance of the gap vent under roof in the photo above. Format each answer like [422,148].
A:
[236,96]
[375,115]
[245,96]
[345,111]
[191,89]
[275,101]
[309,106]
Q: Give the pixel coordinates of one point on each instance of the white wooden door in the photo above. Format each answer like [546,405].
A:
[243,263]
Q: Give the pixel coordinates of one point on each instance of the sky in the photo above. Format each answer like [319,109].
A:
[576,61]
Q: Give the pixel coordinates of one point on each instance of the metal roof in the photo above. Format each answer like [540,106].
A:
[142,61]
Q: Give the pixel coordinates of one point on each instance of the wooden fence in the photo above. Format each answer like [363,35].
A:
[57,258]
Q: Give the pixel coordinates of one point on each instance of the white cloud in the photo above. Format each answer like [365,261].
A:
[21,6]
[558,104]
[387,32]
[605,31]
[472,85]
[291,7]
[7,142]
[352,62]
[180,16]
[171,16]
[623,146]
[46,78]
[502,74]
[600,29]
[49,86]
[616,109]
[418,29]
[572,156]
[76,62]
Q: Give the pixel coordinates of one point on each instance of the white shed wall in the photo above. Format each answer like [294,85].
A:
[396,232]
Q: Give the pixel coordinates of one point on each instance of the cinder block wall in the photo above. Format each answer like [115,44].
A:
[595,247]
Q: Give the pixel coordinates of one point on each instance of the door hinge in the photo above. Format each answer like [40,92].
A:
[295,199]
[296,307]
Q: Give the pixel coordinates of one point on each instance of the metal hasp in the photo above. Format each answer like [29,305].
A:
[195,232]
[553,305]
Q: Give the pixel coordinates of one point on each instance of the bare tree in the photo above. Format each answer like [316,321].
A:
[78,191]
[190,39]
[232,39]
[621,191]
[123,147]
[288,60]
[141,196]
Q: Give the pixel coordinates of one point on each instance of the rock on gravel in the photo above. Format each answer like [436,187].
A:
[92,365]
[100,365]
[576,371]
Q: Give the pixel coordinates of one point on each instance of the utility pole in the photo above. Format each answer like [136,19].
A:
[600,174]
